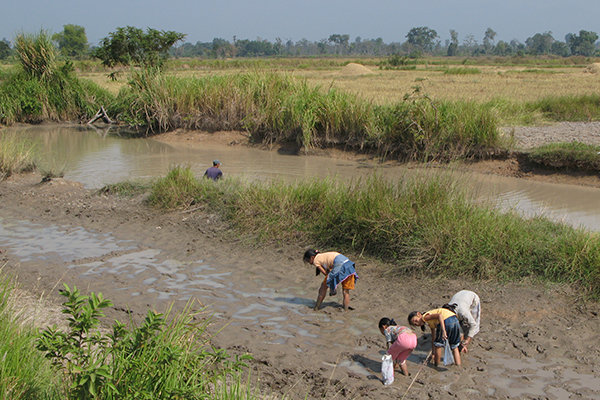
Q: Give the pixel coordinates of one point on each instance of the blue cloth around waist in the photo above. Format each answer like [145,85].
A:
[342,269]
[452,330]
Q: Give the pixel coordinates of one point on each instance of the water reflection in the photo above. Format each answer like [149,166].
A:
[96,158]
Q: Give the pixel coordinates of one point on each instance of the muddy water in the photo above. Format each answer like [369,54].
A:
[96,158]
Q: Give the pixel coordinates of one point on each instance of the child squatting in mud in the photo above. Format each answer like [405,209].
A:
[400,341]
[337,269]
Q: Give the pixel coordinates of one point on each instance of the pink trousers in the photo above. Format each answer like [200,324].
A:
[402,347]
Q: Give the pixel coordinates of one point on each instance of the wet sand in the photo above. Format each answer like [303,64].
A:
[537,341]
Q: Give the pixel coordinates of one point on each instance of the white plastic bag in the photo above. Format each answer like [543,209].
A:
[448,356]
[387,369]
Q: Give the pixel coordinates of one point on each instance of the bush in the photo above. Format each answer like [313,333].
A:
[168,359]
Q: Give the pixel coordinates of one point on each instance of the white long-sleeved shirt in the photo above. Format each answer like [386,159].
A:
[468,308]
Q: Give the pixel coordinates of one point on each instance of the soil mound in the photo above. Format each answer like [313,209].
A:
[593,69]
[355,69]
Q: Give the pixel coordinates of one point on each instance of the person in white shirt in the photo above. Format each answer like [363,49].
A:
[468,310]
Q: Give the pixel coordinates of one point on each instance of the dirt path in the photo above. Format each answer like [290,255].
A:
[536,341]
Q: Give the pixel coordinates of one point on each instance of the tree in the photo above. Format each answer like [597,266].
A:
[502,49]
[131,46]
[340,40]
[488,40]
[470,43]
[4,49]
[540,43]
[584,44]
[453,46]
[560,49]
[72,41]
[422,37]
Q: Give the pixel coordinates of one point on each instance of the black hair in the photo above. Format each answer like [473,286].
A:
[451,307]
[411,316]
[386,321]
[309,253]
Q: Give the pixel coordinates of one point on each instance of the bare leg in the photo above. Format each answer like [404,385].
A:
[346,300]
[404,369]
[437,355]
[456,354]
[321,297]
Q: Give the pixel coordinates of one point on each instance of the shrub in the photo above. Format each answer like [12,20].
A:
[171,359]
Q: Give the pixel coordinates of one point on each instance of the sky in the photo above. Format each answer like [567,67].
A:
[203,20]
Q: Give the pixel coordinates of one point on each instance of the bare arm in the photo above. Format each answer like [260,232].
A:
[323,270]
[440,318]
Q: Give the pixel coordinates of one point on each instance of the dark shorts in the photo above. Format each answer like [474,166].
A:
[452,330]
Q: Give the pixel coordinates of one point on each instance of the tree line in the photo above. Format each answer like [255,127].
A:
[129,45]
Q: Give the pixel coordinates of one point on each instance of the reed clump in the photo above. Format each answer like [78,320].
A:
[37,54]
[425,224]
[43,89]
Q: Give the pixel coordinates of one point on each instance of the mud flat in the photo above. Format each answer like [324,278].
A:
[536,342]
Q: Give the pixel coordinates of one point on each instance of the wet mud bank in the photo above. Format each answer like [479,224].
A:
[536,341]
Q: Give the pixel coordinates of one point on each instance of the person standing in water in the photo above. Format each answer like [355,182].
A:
[214,172]
[337,269]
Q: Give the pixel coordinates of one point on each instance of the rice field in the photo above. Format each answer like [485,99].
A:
[495,82]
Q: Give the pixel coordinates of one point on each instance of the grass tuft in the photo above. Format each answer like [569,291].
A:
[573,155]
[16,155]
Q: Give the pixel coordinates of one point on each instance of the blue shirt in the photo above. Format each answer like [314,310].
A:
[213,173]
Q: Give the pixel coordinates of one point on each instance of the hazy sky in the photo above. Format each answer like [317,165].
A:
[204,20]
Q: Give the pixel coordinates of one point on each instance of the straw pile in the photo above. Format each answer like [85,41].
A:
[355,69]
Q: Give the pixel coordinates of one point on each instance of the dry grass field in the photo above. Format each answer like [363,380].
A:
[514,84]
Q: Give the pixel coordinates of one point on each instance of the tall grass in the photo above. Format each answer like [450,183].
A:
[62,97]
[425,224]
[16,155]
[24,372]
[278,108]
[37,54]
[45,90]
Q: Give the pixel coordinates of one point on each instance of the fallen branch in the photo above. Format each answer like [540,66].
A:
[101,114]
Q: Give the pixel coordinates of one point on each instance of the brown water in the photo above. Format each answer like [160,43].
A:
[95,158]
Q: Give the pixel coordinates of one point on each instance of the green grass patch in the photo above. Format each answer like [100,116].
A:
[532,71]
[572,155]
[461,71]
[568,108]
